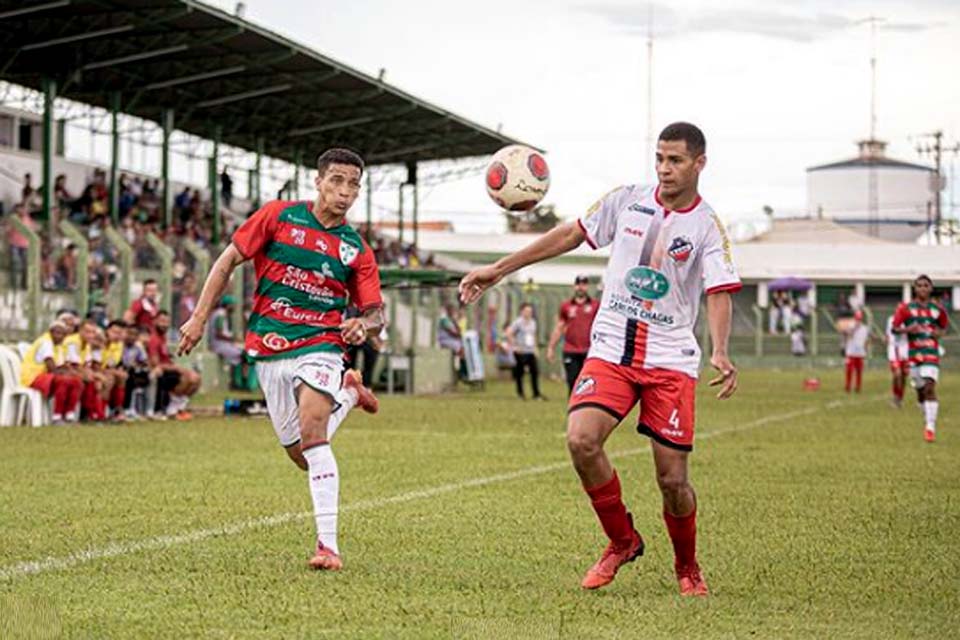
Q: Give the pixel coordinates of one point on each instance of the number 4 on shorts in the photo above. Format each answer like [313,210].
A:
[675,419]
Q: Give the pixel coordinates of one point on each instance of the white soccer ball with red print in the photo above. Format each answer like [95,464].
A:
[517,177]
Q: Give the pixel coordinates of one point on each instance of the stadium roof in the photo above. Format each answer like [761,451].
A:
[215,69]
[881,163]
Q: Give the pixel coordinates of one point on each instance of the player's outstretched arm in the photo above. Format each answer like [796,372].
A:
[555,242]
[192,330]
[720,318]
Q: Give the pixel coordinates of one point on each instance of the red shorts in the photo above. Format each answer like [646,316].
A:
[43,383]
[899,366]
[666,397]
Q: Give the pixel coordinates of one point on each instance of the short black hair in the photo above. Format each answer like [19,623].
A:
[339,155]
[162,312]
[149,281]
[689,133]
[923,276]
[117,323]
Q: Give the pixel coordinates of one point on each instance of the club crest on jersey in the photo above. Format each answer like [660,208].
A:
[585,387]
[321,245]
[299,236]
[348,253]
[680,249]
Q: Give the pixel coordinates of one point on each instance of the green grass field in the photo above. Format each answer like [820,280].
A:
[821,516]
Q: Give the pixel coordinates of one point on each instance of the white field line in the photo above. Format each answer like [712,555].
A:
[115,549]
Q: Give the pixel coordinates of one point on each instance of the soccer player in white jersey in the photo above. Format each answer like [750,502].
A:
[667,247]
[899,359]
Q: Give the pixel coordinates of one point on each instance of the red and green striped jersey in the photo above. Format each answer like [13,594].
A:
[924,347]
[306,275]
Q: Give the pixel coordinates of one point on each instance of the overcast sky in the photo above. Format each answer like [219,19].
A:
[776,85]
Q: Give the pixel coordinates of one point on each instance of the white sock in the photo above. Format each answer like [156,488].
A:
[177,404]
[930,408]
[347,399]
[324,479]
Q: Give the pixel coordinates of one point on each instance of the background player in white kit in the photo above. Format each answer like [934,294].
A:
[898,358]
[667,247]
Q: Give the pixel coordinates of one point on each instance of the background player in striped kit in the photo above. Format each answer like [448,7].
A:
[923,321]
[310,264]
[667,248]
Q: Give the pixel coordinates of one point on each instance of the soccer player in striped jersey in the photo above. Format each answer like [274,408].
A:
[924,322]
[309,263]
[668,247]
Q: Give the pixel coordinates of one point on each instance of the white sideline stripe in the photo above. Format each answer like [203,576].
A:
[113,550]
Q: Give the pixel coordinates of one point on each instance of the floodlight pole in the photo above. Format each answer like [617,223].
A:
[412,181]
[114,156]
[297,161]
[49,95]
[215,185]
[400,213]
[167,204]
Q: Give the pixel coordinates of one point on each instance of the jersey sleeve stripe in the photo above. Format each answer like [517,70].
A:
[730,287]
[586,234]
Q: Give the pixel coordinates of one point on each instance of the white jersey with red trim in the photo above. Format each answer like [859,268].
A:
[660,263]
[897,344]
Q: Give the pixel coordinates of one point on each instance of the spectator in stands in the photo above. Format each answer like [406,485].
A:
[43,368]
[506,360]
[798,341]
[182,201]
[19,244]
[137,365]
[26,193]
[226,187]
[143,311]
[61,196]
[223,342]
[175,384]
[65,272]
[522,335]
[188,298]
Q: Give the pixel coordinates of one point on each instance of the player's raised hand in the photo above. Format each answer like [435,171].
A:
[476,282]
[727,380]
[190,334]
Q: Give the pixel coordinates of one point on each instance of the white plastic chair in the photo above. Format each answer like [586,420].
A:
[16,399]
[22,348]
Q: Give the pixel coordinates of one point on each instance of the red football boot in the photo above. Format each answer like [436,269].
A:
[614,556]
[325,559]
[365,398]
[691,582]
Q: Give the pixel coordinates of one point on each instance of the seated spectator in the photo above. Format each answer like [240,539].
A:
[44,369]
[175,384]
[83,358]
[450,336]
[222,339]
[112,363]
[137,365]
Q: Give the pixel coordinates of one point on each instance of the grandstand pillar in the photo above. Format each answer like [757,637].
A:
[400,213]
[369,233]
[114,156]
[215,185]
[255,195]
[167,204]
[907,293]
[297,161]
[49,95]
[412,181]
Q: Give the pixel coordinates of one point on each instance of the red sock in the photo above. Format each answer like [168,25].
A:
[683,534]
[608,504]
[61,394]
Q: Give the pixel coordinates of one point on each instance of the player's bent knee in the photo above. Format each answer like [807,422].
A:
[672,483]
[582,443]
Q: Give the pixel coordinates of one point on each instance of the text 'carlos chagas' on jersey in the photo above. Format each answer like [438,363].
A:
[660,263]
[305,275]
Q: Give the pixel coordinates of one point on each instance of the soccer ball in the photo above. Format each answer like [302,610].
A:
[517,177]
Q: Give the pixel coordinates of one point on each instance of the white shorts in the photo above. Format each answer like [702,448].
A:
[321,371]
[920,371]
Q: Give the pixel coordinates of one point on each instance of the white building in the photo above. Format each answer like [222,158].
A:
[903,194]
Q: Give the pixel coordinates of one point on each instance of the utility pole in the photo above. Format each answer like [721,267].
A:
[650,152]
[933,146]
[873,188]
